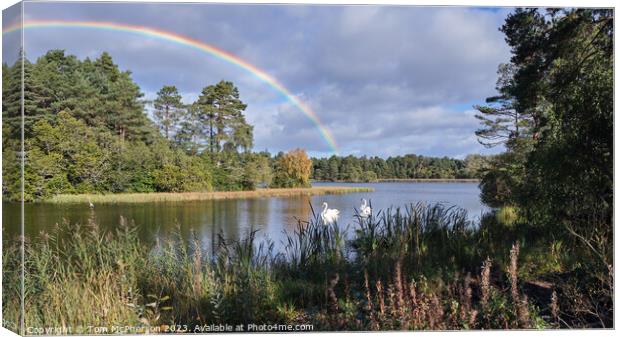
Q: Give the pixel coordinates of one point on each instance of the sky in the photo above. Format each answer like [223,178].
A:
[384,80]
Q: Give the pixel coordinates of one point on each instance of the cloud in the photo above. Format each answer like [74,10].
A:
[385,80]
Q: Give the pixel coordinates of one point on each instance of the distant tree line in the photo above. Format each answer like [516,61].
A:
[411,166]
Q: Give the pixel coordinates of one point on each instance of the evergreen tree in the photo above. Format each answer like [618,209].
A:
[190,133]
[221,113]
[35,96]
[504,121]
[168,109]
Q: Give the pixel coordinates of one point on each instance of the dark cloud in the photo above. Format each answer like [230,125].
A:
[384,80]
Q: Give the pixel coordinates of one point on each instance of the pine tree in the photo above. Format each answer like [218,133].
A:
[168,109]
[189,135]
[503,121]
[221,112]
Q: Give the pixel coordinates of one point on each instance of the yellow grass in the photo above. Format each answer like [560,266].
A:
[189,196]
[432,180]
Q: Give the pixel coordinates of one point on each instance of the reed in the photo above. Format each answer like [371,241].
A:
[400,269]
[197,196]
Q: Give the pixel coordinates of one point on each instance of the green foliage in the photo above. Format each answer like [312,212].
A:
[223,124]
[183,174]
[368,169]
[67,156]
[86,131]
[558,171]
[503,120]
[257,171]
[168,109]
[508,216]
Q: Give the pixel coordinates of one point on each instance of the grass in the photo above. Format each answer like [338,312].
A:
[507,215]
[432,180]
[419,267]
[191,196]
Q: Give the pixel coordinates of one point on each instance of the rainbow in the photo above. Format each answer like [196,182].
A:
[191,43]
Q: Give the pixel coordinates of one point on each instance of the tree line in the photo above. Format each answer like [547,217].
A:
[411,166]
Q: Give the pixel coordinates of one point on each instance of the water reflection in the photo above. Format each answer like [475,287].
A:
[235,218]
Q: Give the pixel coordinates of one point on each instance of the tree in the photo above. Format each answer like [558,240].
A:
[293,170]
[118,105]
[257,171]
[221,112]
[561,77]
[504,122]
[168,109]
[35,96]
[182,173]
[369,176]
[189,135]
[474,166]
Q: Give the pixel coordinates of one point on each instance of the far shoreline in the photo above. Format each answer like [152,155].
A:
[417,180]
[114,198]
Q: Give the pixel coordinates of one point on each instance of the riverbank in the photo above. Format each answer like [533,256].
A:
[430,180]
[193,196]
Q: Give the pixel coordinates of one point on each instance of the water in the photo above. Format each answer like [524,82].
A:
[234,218]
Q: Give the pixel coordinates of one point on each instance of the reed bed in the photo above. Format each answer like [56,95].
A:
[421,267]
[430,180]
[194,196]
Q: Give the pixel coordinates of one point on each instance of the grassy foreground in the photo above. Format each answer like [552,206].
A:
[417,268]
[189,196]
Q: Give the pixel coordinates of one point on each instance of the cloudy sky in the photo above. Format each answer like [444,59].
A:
[383,80]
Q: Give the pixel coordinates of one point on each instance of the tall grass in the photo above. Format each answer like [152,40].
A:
[191,196]
[417,267]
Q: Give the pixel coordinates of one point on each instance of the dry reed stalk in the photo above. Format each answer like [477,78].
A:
[413,296]
[424,310]
[197,266]
[374,325]
[453,317]
[512,270]
[485,282]
[435,312]
[413,302]
[472,319]
[466,295]
[398,283]
[380,298]
[391,302]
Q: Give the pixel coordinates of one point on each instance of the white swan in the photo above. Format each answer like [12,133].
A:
[90,204]
[365,210]
[330,215]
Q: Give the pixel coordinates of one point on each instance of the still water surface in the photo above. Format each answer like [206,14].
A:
[234,218]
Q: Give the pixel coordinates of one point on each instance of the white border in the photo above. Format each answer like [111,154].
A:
[477,3]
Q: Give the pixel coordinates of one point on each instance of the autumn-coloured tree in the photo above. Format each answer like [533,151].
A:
[293,169]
